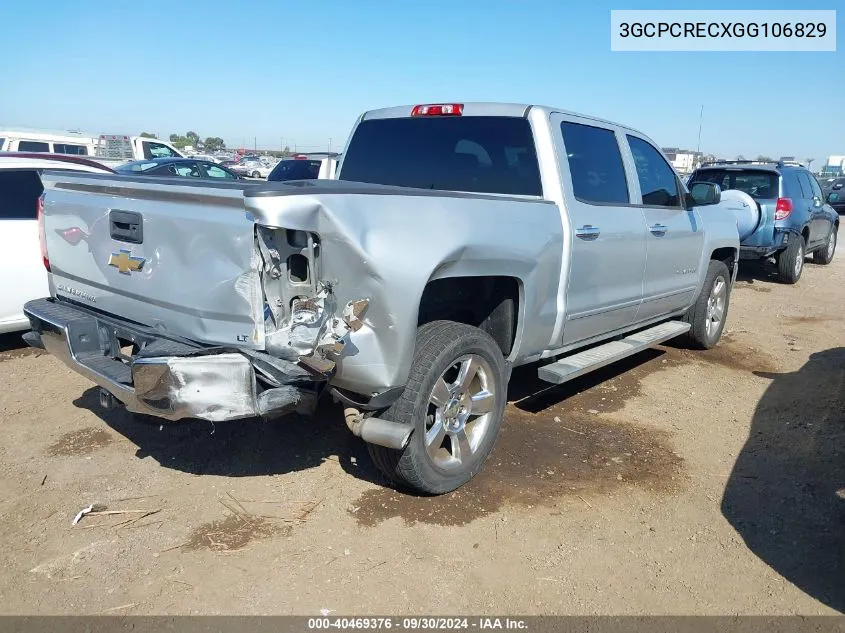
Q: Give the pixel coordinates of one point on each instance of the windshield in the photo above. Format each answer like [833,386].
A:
[295,170]
[480,154]
[757,183]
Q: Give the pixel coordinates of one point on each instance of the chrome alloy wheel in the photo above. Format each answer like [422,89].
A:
[460,411]
[716,303]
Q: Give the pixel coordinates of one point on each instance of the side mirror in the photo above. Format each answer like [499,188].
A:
[705,193]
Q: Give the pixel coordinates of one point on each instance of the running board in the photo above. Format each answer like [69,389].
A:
[579,364]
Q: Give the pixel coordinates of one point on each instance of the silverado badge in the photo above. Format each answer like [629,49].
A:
[125,263]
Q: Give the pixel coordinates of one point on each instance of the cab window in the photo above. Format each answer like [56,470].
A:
[658,184]
[157,150]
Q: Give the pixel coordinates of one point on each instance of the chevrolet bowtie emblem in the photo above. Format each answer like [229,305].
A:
[125,263]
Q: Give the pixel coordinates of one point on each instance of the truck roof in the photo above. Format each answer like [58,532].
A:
[488,108]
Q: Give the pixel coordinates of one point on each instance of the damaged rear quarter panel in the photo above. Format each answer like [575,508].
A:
[386,243]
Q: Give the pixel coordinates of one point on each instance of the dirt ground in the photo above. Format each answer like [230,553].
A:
[674,483]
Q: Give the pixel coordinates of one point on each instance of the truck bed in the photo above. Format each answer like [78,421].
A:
[226,263]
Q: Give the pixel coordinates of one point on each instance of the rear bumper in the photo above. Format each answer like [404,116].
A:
[779,241]
[166,378]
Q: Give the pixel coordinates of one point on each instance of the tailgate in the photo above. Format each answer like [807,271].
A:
[176,256]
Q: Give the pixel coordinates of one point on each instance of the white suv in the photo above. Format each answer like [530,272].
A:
[22,273]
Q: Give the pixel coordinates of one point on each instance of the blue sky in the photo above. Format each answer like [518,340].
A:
[300,72]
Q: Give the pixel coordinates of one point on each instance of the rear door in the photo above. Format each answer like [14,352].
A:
[608,253]
[674,237]
[820,223]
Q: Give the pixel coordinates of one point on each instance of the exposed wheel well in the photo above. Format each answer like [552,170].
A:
[805,232]
[726,255]
[489,303]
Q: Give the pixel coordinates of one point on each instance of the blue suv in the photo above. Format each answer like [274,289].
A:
[786,216]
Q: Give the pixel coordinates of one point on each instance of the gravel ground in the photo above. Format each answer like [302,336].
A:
[672,483]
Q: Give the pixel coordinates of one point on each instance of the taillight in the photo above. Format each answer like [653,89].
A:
[42,236]
[783,208]
[438,109]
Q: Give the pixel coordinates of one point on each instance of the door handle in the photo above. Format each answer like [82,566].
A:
[657,229]
[588,232]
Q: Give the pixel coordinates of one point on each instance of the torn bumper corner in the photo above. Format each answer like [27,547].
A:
[171,381]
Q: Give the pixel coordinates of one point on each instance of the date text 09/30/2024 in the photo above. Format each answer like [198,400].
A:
[417,623]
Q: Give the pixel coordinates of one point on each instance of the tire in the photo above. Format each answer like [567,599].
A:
[825,254]
[791,260]
[442,350]
[708,314]
[256,174]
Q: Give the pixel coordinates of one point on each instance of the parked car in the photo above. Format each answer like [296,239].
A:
[455,247]
[22,274]
[834,193]
[786,216]
[184,167]
[303,169]
[252,168]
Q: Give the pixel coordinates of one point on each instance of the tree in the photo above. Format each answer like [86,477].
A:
[764,159]
[193,139]
[213,144]
[178,141]
[148,135]
[740,157]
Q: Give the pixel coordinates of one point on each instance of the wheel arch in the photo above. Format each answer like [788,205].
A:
[493,303]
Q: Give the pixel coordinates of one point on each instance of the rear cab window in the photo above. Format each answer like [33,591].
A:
[295,170]
[760,184]
[480,154]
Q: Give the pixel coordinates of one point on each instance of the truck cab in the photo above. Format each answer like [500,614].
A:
[116,149]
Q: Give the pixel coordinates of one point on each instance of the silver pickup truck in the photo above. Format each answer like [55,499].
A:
[459,241]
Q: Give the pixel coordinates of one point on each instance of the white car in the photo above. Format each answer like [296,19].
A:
[253,168]
[22,265]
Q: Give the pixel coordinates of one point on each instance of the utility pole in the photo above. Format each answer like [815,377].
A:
[700,119]
[330,145]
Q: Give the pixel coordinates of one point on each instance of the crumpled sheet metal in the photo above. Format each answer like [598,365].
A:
[387,246]
[214,387]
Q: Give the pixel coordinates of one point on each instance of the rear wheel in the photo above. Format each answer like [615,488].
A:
[791,260]
[455,400]
[708,314]
[256,174]
[825,254]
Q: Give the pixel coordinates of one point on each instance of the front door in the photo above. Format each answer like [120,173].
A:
[608,240]
[674,237]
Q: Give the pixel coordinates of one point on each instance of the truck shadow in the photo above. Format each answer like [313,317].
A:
[751,272]
[244,448]
[786,493]
[255,447]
